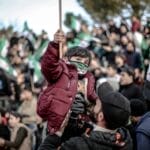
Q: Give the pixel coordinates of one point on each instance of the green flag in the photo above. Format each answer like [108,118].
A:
[35,65]
[72,21]
[40,51]
[34,61]
[73,43]
[84,36]
[3,47]
[25,26]
[4,64]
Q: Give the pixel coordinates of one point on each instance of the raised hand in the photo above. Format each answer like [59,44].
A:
[59,37]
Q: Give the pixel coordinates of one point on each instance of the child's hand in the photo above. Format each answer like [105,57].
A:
[59,37]
[81,87]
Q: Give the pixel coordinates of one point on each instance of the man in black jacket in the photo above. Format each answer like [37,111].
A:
[127,86]
[110,115]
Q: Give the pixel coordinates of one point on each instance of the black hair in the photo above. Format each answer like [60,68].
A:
[121,55]
[79,51]
[114,66]
[138,107]
[14,41]
[124,25]
[16,114]
[128,70]
[2,112]
[133,44]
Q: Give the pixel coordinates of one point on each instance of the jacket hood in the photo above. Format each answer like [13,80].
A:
[119,140]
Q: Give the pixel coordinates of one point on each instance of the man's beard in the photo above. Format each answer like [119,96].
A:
[93,116]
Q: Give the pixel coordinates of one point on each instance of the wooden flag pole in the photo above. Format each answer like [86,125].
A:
[60,27]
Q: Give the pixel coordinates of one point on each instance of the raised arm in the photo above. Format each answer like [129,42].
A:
[51,63]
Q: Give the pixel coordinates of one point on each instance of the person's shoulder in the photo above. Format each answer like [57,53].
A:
[76,140]
[137,54]
[137,89]
[75,143]
[22,131]
[144,124]
[3,128]
[135,86]
[89,75]
[53,44]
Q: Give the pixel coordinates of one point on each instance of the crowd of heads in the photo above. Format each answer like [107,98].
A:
[119,55]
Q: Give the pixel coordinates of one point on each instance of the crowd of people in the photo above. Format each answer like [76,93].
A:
[40,107]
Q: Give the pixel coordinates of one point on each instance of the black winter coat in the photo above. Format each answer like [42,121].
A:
[98,140]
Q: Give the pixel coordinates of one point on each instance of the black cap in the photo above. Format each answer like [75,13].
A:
[116,107]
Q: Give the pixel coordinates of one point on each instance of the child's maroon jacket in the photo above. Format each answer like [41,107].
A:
[56,100]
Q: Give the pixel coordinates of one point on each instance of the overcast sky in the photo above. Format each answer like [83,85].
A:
[40,14]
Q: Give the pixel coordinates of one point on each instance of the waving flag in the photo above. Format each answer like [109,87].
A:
[3,47]
[4,64]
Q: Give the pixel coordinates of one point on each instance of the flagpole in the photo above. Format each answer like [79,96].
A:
[60,26]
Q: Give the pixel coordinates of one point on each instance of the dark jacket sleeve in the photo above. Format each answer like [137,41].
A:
[4,132]
[69,145]
[21,135]
[50,63]
[76,143]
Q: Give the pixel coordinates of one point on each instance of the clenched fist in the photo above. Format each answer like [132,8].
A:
[59,37]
